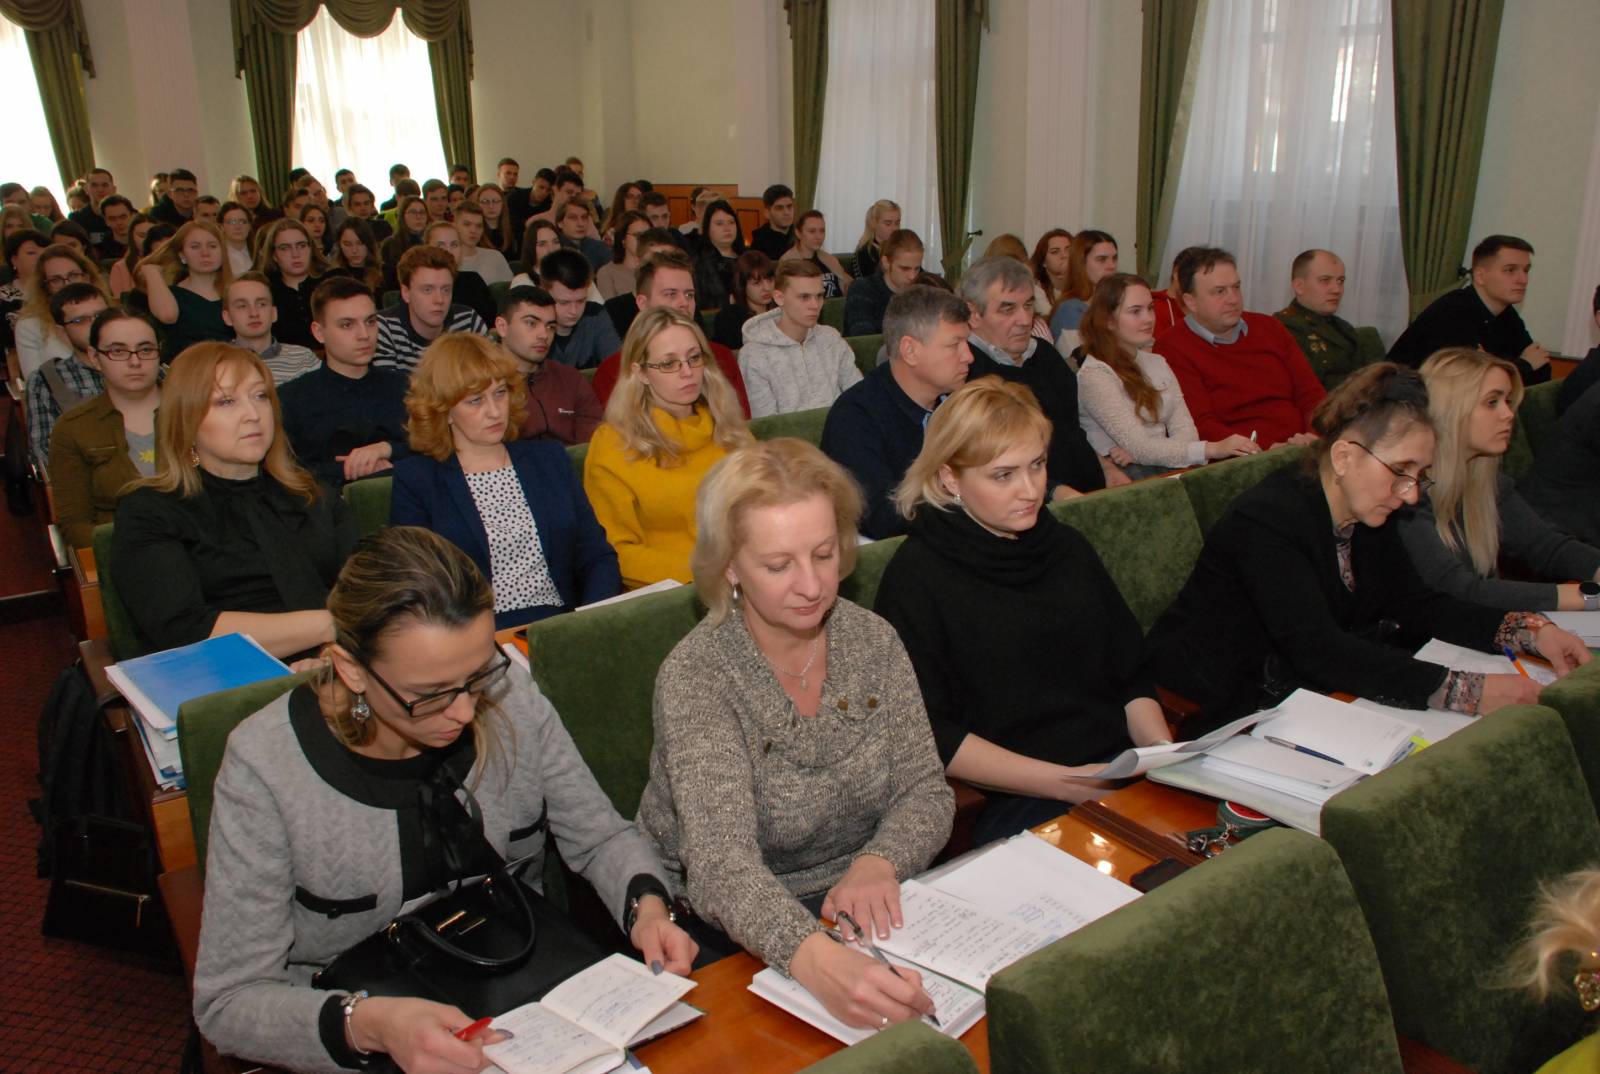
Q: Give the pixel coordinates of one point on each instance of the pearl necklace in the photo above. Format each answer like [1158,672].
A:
[804,673]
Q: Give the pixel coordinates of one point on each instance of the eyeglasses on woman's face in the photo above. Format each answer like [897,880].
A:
[1403,483]
[116,352]
[672,365]
[432,704]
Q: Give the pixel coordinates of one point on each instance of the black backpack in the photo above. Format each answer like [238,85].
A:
[78,774]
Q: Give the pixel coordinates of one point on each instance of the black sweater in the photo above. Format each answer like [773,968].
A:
[1026,643]
[1267,585]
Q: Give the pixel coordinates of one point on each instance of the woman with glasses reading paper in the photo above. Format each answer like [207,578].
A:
[1303,582]
[98,448]
[672,416]
[410,762]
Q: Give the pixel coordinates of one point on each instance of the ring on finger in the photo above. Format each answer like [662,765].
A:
[883,1023]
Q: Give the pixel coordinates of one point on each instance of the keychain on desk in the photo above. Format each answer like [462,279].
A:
[1235,822]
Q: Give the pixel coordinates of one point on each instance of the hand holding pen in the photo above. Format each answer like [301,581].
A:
[865,938]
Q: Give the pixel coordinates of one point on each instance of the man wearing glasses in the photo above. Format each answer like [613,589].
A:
[62,383]
[177,207]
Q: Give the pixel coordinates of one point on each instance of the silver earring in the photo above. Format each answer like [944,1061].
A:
[360,711]
[736,594]
[957,496]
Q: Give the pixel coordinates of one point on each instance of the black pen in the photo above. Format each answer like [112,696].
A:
[866,938]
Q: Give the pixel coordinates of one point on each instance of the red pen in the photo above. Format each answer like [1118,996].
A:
[474,1029]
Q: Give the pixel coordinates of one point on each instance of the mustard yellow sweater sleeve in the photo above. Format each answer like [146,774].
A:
[626,493]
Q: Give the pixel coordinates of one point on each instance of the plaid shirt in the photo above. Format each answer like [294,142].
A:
[41,402]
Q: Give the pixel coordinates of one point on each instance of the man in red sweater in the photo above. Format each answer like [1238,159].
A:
[666,278]
[1241,373]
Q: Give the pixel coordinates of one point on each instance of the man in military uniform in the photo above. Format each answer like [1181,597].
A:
[1334,347]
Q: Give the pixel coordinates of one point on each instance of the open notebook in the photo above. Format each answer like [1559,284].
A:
[970,920]
[586,1024]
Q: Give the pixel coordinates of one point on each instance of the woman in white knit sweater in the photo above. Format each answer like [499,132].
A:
[1129,402]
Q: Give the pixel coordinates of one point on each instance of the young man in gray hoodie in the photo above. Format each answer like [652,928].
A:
[789,361]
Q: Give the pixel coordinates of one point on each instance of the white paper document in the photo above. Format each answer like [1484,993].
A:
[1142,759]
[958,1007]
[1459,658]
[1585,625]
[1280,769]
[952,937]
[1357,738]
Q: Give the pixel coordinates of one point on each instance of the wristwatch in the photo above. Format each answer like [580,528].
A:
[1590,591]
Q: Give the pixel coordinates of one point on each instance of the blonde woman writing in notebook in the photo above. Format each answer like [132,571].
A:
[792,770]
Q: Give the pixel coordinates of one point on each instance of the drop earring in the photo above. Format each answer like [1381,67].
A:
[737,596]
[194,456]
[360,711]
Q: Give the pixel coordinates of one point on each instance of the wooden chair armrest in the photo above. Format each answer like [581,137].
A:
[96,656]
[1418,1058]
[183,890]
[1176,708]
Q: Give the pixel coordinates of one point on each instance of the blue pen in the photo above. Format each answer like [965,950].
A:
[1286,744]
[1511,656]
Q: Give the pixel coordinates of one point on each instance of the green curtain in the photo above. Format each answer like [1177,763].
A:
[264,53]
[808,33]
[59,48]
[957,34]
[451,60]
[1443,66]
[1166,87]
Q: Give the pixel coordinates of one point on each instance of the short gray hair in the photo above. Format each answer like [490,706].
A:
[1008,272]
[916,312]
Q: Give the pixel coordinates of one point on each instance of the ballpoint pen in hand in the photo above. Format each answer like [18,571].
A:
[872,948]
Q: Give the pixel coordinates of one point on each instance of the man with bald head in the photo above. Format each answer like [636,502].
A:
[1332,345]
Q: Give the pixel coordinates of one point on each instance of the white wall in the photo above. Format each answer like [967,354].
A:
[527,57]
[1536,152]
[686,96]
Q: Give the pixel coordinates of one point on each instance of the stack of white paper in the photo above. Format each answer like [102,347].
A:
[1280,769]
[1458,658]
[1586,625]
[1357,738]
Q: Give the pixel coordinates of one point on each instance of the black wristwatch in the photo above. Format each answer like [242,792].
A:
[1590,591]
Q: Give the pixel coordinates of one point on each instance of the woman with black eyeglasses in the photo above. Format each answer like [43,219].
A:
[1304,583]
[411,762]
[99,447]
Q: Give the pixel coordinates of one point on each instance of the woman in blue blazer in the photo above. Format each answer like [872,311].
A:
[516,508]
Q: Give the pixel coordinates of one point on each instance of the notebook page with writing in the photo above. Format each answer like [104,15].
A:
[957,1006]
[1357,738]
[615,998]
[1036,885]
[950,936]
[546,1043]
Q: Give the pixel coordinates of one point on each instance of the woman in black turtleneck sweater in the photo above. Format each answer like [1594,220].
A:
[1027,656]
[229,536]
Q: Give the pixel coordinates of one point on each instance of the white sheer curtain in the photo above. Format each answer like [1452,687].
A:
[365,103]
[30,159]
[1291,145]
[878,120]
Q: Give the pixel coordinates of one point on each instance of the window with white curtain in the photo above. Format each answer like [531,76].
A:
[878,121]
[30,158]
[365,103]
[1291,145]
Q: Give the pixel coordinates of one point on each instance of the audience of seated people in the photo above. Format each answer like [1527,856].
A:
[882,220]
[183,282]
[774,237]
[672,416]
[666,279]
[100,446]
[1091,257]
[468,288]
[1332,345]
[65,381]
[1473,513]
[999,295]
[790,362]
[514,506]
[1241,373]
[1129,403]
[1481,314]
[427,309]
[230,535]
[561,403]
[810,237]
[717,249]
[752,294]
[584,332]
[38,336]
[1304,583]
[623,308]
[346,420]
[792,772]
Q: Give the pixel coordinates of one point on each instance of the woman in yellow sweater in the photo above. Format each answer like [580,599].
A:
[671,417]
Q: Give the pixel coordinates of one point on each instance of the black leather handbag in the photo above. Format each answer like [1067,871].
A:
[486,947]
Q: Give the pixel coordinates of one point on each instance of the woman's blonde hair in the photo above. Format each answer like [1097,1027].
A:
[1566,922]
[185,401]
[869,234]
[767,473]
[37,296]
[172,269]
[454,366]
[971,428]
[1465,510]
[628,411]
[266,255]
[396,577]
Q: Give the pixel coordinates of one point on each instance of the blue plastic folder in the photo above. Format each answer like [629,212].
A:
[157,684]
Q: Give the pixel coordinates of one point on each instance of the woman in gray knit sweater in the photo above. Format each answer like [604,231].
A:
[793,762]
[1456,532]
[338,806]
